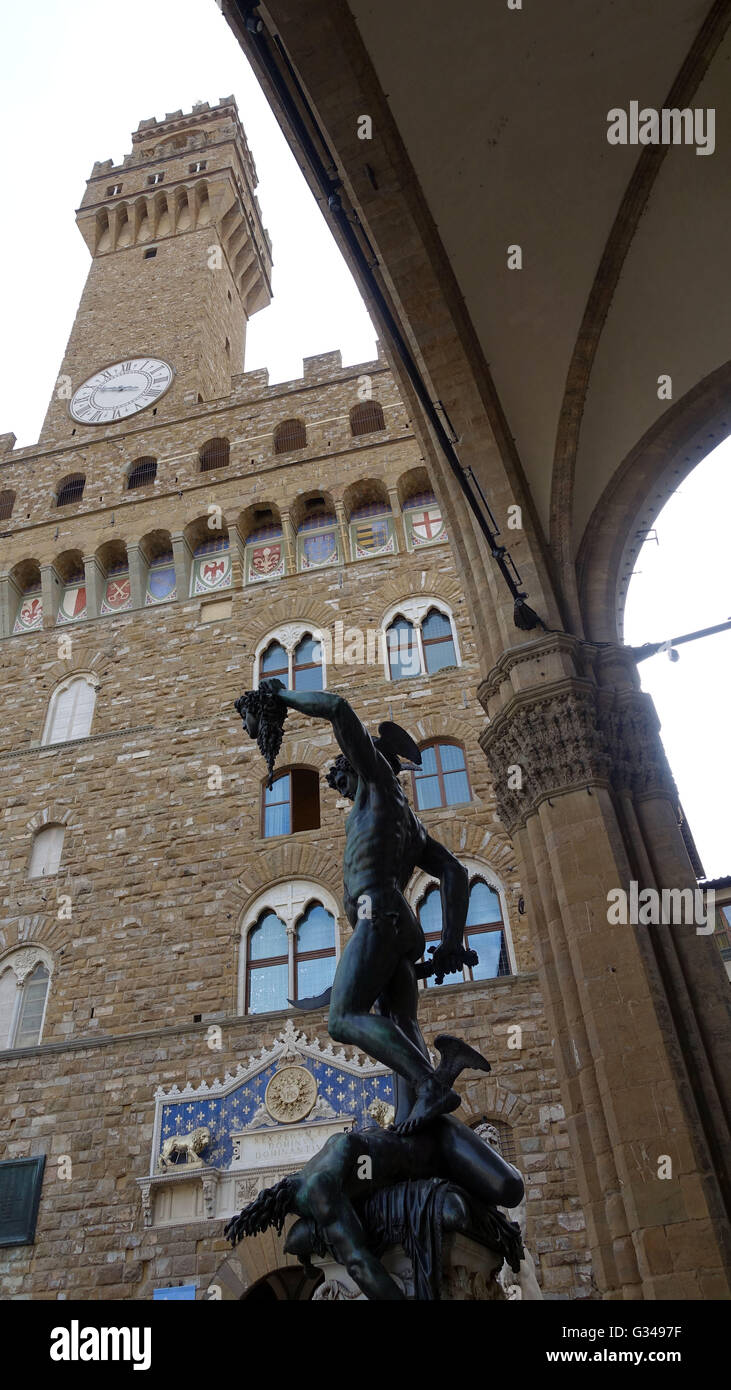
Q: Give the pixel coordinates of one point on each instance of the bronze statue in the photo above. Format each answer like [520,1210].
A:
[373,1002]
[446,1174]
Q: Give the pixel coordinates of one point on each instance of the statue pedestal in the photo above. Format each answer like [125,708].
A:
[469,1272]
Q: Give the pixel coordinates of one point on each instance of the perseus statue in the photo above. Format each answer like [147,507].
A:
[385,842]
[428,1172]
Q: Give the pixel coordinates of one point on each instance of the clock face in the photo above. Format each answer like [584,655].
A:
[121,390]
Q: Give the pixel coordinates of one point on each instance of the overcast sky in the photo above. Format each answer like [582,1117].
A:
[77,79]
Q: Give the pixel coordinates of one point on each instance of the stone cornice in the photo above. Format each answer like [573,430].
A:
[232,1021]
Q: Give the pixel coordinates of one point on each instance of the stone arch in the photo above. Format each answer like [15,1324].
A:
[402,587]
[311,504]
[442,724]
[365,492]
[300,751]
[251,1260]
[283,613]
[97,667]
[493,1097]
[641,485]
[38,929]
[412,483]
[288,860]
[52,815]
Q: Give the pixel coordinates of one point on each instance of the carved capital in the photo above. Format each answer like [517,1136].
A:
[573,735]
[631,729]
[541,746]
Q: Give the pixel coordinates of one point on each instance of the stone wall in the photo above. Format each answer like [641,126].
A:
[160,863]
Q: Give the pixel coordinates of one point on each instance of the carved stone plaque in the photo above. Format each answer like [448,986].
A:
[291,1094]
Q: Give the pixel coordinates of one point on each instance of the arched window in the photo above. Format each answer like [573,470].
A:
[45,854]
[70,711]
[307,664]
[23,995]
[142,473]
[404,658]
[442,778]
[420,638]
[7,502]
[290,434]
[289,945]
[366,417]
[214,454]
[484,932]
[292,803]
[267,965]
[438,641]
[70,490]
[275,662]
[314,953]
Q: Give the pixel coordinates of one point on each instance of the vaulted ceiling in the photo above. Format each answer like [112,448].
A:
[503,116]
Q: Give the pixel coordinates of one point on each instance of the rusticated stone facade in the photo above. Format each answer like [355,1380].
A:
[159,804]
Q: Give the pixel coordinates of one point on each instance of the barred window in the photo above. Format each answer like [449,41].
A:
[366,417]
[142,473]
[290,434]
[7,502]
[70,490]
[214,454]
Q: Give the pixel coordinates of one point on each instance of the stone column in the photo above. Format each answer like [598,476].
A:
[9,600]
[51,591]
[237,555]
[137,574]
[344,530]
[584,789]
[398,519]
[183,562]
[95,584]
[289,541]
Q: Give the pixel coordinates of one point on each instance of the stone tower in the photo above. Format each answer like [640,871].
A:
[180,262]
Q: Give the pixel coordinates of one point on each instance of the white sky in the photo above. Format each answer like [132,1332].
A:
[77,79]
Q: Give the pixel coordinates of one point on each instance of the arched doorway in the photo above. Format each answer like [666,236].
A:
[288,1284]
